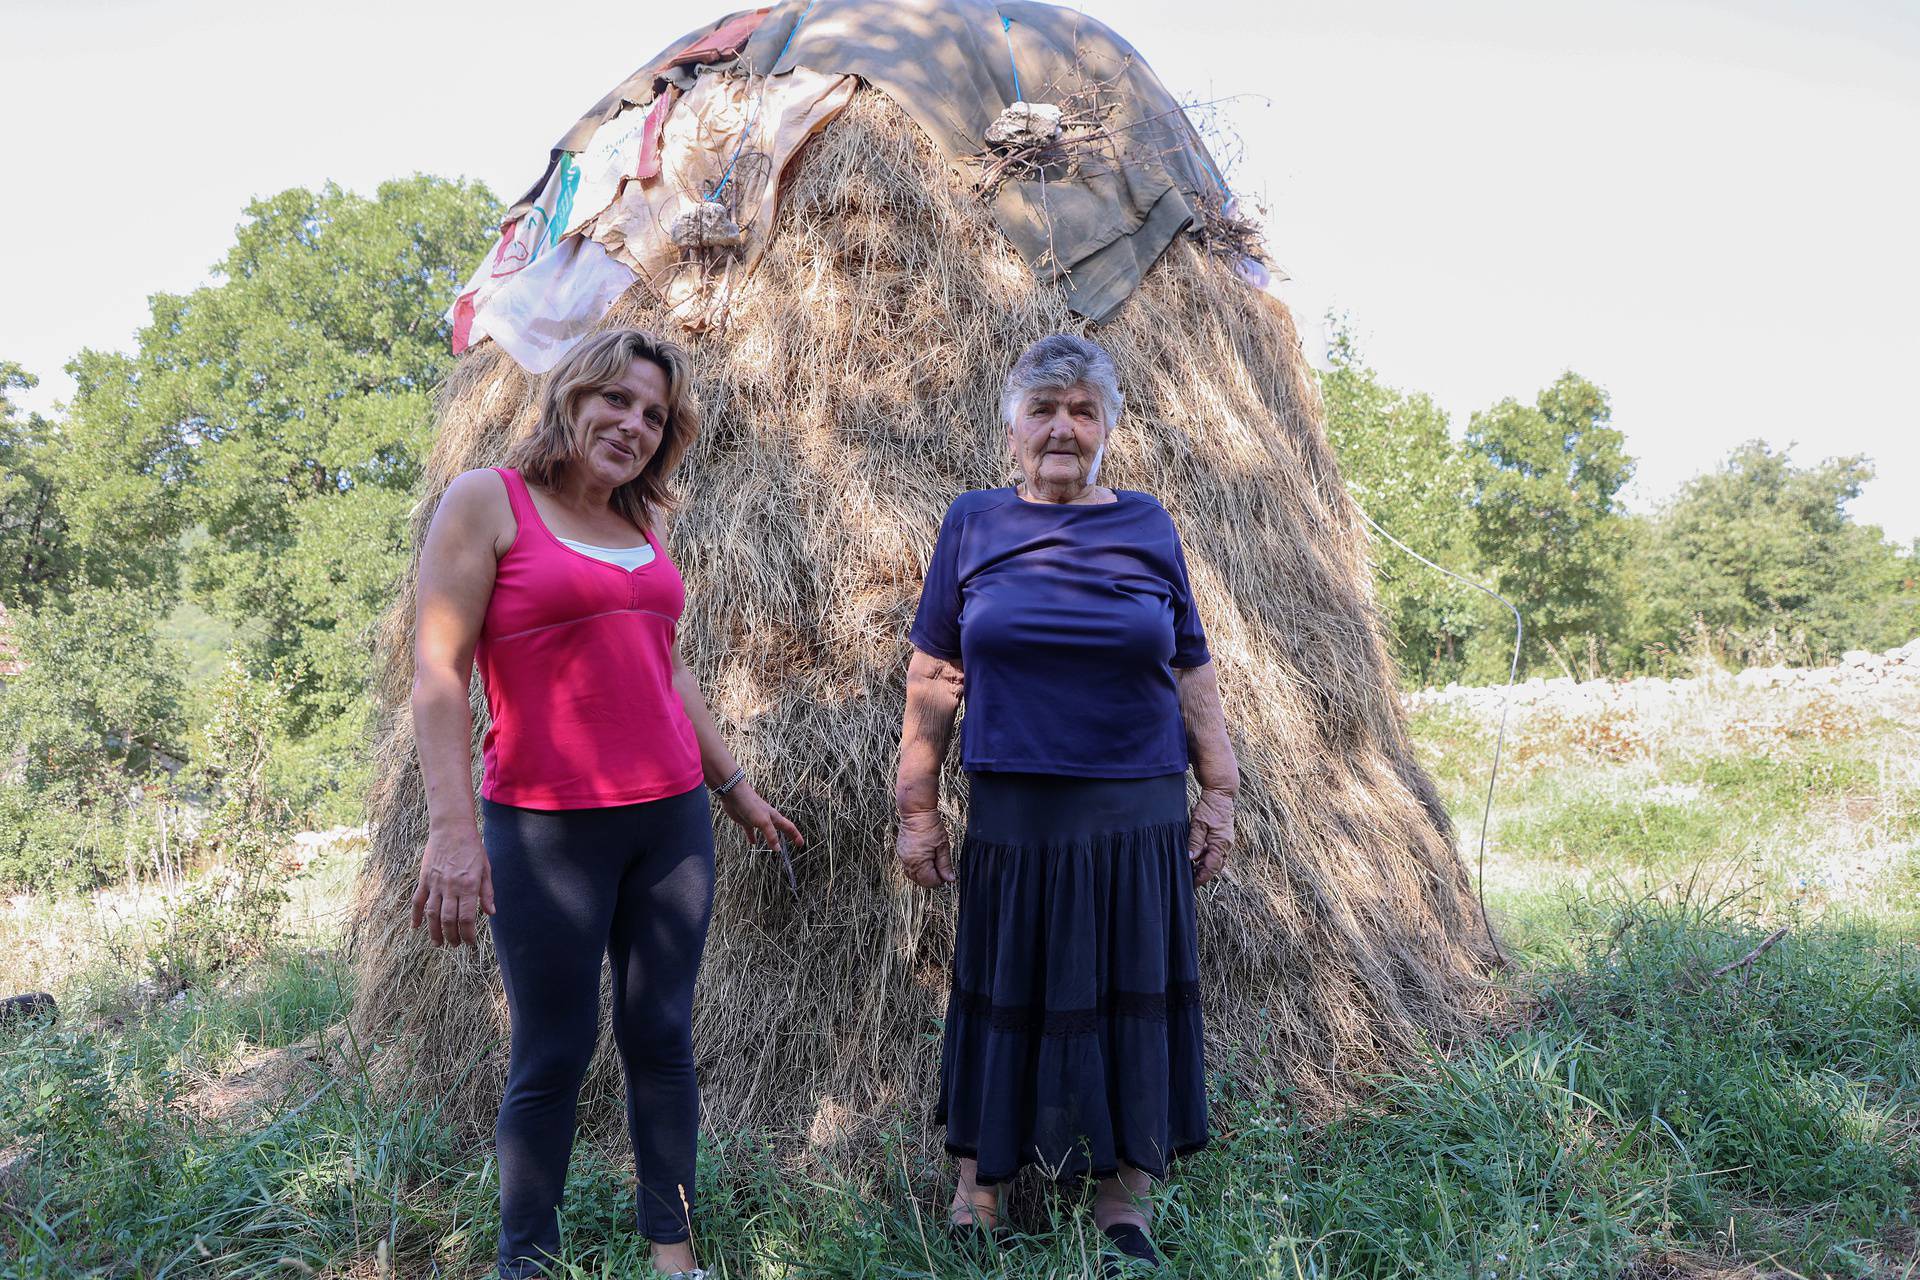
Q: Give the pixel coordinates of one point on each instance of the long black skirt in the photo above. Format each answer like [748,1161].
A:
[1073,1038]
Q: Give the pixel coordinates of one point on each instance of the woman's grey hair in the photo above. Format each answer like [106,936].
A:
[1056,363]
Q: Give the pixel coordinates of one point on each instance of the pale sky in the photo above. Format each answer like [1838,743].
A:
[1709,207]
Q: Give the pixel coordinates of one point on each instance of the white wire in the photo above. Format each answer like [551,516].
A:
[1506,698]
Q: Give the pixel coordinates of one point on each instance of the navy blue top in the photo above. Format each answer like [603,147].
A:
[1067,621]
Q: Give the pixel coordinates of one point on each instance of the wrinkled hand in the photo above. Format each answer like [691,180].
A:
[456,884]
[763,823]
[922,849]
[1210,833]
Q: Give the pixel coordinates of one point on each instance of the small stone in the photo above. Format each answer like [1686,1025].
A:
[35,1006]
[707,225]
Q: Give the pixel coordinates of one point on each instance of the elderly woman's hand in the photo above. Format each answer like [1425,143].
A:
[922,849]
[1210,833]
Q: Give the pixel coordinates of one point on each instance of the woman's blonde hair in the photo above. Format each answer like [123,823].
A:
[543,455]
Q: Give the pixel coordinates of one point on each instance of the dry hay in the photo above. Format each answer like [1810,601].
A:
[853,395]
[1680,1264]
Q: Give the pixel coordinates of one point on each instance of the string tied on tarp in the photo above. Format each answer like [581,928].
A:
[1006,28]
[727,175]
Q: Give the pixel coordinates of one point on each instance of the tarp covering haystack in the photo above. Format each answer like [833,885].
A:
[856,267]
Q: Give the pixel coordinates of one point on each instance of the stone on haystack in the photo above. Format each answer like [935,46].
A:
[1023,125]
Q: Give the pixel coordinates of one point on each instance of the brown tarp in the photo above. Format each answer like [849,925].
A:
[947,63]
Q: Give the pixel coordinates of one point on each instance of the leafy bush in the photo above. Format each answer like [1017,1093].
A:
[233,911]
[49,849]
[85,732]
[321,779]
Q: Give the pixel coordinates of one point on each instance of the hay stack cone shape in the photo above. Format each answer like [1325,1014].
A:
[851,396]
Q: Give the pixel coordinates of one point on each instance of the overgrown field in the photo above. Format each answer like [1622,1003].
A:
[1665,1094]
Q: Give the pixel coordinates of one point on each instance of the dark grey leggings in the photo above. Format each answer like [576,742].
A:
[633,883]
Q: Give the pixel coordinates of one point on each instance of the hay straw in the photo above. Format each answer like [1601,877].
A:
[853,394]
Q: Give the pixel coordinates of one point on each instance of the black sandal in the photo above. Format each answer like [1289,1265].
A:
[1133,1246]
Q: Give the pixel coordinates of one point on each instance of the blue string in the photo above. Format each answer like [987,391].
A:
[1200,146]
[1006,25]
[740,146]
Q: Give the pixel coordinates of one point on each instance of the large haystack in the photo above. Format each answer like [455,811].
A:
[850,396]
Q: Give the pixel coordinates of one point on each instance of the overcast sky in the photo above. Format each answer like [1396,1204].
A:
[1709,207]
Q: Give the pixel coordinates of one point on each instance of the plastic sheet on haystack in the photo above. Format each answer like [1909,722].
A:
[554,303]
[638,174]
[701,155]
[1138,177]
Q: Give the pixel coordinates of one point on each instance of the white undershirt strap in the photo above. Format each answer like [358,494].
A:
[628,558]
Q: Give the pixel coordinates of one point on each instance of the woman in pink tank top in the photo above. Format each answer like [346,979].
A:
[594,836]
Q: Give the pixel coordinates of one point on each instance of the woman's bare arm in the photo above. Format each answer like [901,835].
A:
[761,821]
[1210,832]
[471,528]
[934,690]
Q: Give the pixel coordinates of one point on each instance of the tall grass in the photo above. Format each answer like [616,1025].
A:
[1635,1105]
[1652,1106]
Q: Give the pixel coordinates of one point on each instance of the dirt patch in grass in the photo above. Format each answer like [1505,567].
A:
[266,1083]
[14,1158]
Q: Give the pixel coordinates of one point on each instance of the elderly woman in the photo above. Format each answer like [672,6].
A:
[550,571]
[1059,612]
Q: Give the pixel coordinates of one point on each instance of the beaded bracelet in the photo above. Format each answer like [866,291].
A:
[730,783]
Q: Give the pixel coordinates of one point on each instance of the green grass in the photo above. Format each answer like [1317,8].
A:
[1787,786]
[1632,1106]
[1814,822]
[1633,831]
[1640,1106]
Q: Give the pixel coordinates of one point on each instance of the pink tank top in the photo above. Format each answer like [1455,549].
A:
[576,656]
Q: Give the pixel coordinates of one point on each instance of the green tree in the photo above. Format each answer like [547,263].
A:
[285,410]
[123,461]
[35,553]
[94,714]
[86,498]
[98,695]
[1546,512]
[1402,466]
[1762,547]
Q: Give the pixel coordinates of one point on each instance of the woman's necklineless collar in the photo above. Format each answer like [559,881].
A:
[1025,500]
